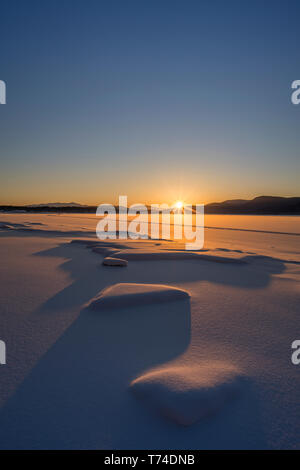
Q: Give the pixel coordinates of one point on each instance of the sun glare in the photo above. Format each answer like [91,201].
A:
[179,205]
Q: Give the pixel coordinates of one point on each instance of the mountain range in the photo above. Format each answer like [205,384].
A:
[261,205]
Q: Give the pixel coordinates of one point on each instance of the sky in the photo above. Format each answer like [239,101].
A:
[158,100]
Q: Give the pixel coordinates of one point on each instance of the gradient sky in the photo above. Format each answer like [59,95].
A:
[160,100]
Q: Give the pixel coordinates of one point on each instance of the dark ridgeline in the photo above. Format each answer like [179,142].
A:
[262,205]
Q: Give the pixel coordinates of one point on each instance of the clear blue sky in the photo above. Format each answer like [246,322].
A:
[156,99]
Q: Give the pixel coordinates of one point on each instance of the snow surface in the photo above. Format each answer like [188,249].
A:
[66,384]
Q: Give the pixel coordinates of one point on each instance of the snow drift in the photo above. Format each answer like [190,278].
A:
[186,393]
[131,295]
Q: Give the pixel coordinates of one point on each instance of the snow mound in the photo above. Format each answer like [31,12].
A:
[187,393]
[114,262]
[130,295]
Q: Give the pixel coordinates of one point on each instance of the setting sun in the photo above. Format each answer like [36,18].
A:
[179,205]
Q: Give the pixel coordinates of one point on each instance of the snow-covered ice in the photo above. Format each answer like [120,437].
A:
[231,315]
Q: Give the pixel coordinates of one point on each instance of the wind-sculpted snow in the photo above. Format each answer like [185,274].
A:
[131,295]
[114,262]
[186,393]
